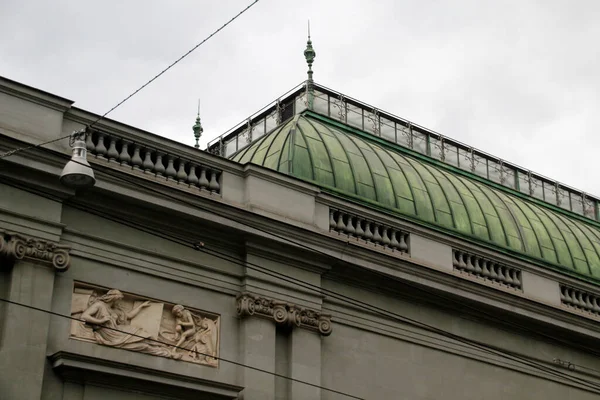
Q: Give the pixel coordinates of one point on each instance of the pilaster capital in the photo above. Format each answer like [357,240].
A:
[14,246]
[284,314]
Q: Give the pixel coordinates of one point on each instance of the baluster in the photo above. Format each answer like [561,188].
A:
[485,271]
[577,298]
[368,232]
[100,147]
[360,233]
[376,236]
[202,181]
[509,276]
[517,278]
[455,258]
[461,260]
[340,226]
[403,241]
[596,306]
[331,220]
[588,302]
[568,296]
[181,175]
[148,165]
[159,167]
[213,185]
[170,172]
[384,234]
[350,226]
[89,143]
[394,242]
[192,178]
[112,153]
[501,274]
[136,160]
[493,273]
[469,264]
[477,265]
[563,296]
[124,156]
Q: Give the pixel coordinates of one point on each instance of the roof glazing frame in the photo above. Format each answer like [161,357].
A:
[338,107]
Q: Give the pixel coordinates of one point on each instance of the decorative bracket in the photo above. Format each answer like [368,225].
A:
[14,246]
[284,314]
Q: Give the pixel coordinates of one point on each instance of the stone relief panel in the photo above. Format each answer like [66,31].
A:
[126,321]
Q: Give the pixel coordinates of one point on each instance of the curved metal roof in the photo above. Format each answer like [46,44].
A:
[312,148]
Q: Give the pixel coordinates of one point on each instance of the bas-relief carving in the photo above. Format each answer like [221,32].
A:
[14,246]
[114,319]
[284,314]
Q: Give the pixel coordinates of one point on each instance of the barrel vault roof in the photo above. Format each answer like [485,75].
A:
[357,165]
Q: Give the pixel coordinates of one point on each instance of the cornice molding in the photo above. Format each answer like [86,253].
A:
[14,246]
[286,315]
[34,95]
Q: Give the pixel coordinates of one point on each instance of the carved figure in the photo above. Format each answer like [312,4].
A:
[205,342]
[129,322]
[112,328]
[184,325]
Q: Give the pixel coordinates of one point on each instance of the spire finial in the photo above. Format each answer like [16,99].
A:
[309,55]
[197,128]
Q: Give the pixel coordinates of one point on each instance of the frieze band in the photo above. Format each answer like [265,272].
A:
[14,246]
[284,314]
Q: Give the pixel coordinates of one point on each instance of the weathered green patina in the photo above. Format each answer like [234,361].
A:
[360,166]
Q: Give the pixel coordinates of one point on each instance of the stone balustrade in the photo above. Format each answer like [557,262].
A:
[153,161]
[345,223]
[579,299]
[485,269]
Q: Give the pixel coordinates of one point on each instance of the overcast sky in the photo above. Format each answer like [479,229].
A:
[518,79]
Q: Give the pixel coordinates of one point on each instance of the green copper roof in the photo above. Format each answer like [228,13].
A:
[358,165]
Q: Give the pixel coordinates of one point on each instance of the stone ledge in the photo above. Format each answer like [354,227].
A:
[84,369]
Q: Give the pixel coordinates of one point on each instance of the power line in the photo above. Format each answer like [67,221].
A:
[473,343]
[150,339]
[11,152]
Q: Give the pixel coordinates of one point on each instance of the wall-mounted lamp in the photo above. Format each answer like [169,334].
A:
[77,173]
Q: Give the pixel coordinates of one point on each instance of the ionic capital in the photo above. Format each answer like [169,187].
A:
[284,314]
[14,246]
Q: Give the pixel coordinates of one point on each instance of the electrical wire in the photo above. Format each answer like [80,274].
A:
[181,348]
[475,344]
[14,151]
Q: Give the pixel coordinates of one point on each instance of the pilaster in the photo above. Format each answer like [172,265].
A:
[29,265]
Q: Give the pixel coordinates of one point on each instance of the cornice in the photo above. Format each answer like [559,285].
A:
[34,95]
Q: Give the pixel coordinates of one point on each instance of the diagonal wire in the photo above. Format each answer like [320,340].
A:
[381,311]
[180,348]
[11,152]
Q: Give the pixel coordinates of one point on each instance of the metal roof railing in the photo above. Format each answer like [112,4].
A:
[392,128]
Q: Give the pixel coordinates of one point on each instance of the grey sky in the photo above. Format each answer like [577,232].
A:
[518,79]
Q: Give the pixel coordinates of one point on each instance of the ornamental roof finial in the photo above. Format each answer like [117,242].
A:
[197,128]
[309,55]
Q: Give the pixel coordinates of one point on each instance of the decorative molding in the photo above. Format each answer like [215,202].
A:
[489,271]
[284,314]
[14,246]
[112,318]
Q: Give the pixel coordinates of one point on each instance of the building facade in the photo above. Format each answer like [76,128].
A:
[324,249]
